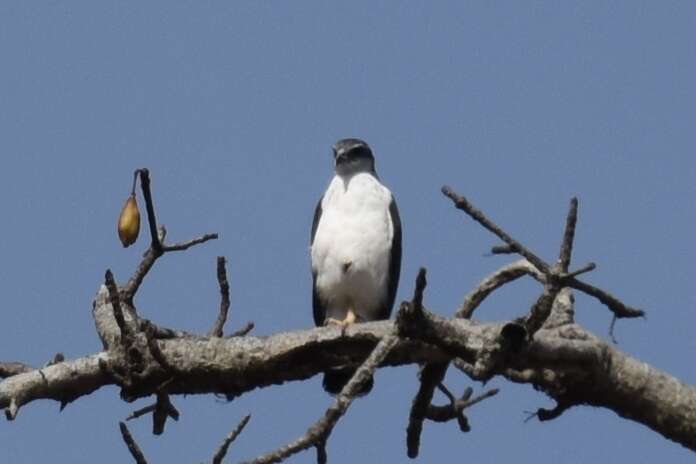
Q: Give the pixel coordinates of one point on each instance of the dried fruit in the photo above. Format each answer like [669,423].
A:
[129,222]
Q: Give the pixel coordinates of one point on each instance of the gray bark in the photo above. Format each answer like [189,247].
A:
[568,363]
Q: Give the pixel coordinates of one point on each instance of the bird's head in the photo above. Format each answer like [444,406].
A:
[352,156]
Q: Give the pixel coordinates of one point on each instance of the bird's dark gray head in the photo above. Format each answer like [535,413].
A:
[353,156]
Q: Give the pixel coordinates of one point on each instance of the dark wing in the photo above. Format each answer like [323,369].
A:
[394,261]
[317,305]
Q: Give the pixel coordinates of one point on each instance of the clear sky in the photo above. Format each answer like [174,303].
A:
[234,107]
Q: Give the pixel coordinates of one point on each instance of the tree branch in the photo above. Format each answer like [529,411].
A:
[576,365]
[224,446]
[8,369]
[132,445]
[460,202]
[502,276]
[319,432]
[216,331]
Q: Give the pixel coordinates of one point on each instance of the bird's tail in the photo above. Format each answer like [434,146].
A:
[336,379]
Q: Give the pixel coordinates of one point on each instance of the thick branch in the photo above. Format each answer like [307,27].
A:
[566,361]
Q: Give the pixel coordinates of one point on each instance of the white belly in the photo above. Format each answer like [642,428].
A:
[351,248]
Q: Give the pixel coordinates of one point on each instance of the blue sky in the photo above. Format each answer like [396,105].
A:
[234,106]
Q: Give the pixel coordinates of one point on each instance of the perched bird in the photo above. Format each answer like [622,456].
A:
[355,248]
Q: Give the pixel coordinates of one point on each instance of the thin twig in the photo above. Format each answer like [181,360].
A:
[156,244]
[155,350]
[446,391]
[322,457]
[619,309]
[131,444]
[411,312]
[563,278]
[421,282]
[450,411]
[141,412]
[502,276]
[189,243]
[568,236]
[248,327]
[163,409]
[431,376]
[541,309]
[557,411]
[502,250]
[463,204]
[116,306]
[611,330]
[157,247]
[320,430]
[586,268]
[217,329]
[8,369]
[232,436]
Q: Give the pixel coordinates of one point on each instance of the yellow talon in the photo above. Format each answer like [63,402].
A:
[349,319]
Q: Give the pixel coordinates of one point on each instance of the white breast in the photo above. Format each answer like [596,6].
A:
[351,248]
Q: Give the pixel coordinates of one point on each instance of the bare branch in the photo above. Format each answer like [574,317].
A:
[248,327]
[155,244]
[131,444]
[586,268]
[568,236]
[141,412]
[318,433]
[116,306]
[451,411]
[558,279]
[541,309]
[217,329]
[421,282]
[619,309]
[502,276]
[155,350]
[322,458]
[8,369]
[557,411]
[612,325]
[231,437]
[463,204]
[565,361]
[430,377]
[157,247]
[502,250]
[163,409]
[189,243]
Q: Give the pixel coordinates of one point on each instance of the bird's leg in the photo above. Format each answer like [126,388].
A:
[350,318]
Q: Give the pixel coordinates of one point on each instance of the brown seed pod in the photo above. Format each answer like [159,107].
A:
[129,222]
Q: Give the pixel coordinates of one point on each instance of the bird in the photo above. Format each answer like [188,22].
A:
[355,249]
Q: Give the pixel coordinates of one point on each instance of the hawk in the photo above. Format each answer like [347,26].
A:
[355,248]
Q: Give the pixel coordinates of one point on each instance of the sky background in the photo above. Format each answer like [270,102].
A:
[233,106]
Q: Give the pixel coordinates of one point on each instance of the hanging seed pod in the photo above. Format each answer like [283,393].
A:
[129,220]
